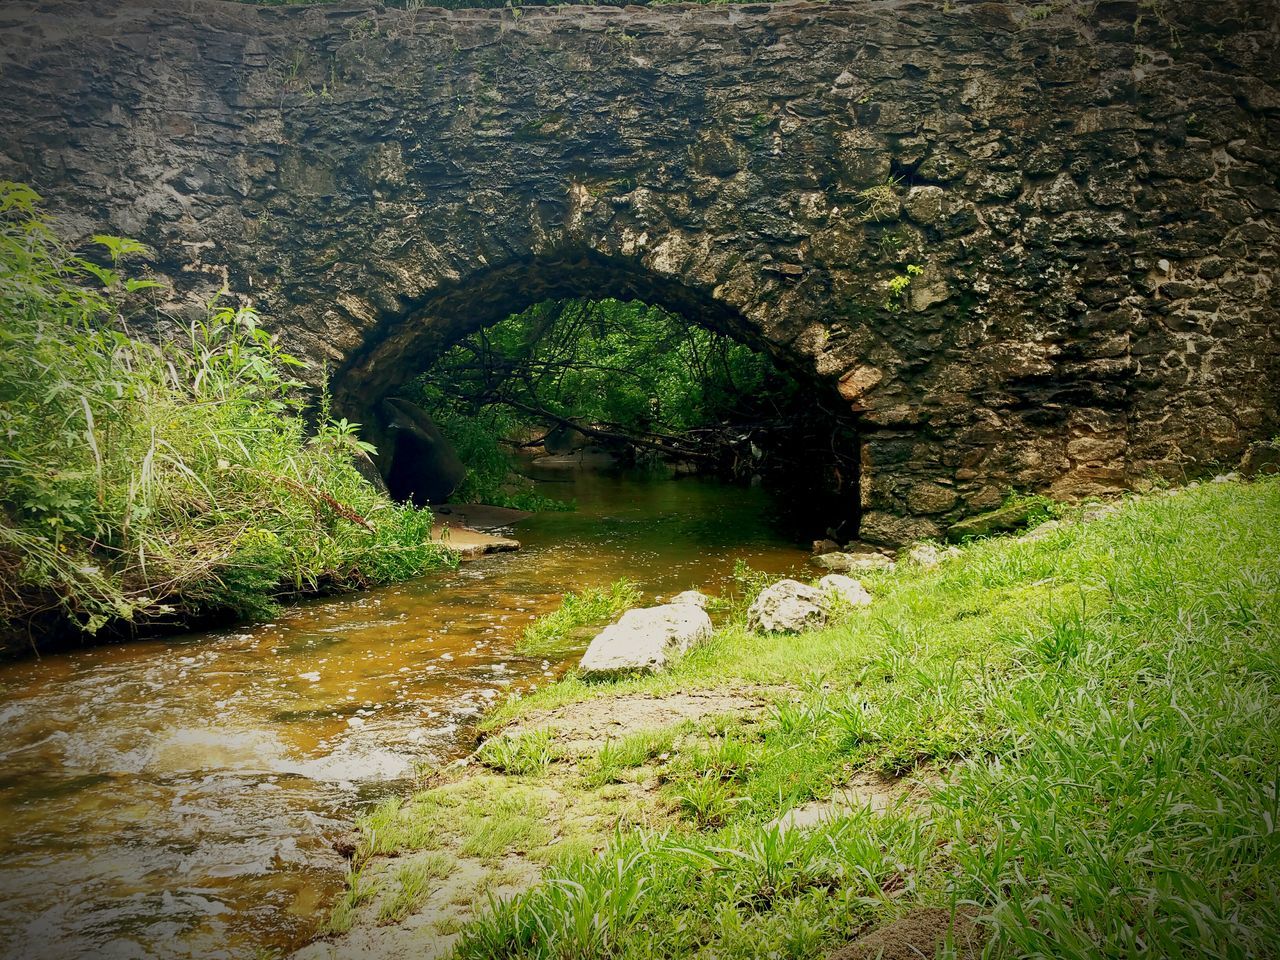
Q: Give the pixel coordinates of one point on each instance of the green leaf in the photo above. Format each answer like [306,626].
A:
[133,286]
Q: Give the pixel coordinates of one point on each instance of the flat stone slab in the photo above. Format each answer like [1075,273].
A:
[581,728]
[862,791]
[470,544]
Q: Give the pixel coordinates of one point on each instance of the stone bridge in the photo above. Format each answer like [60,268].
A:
[1025,246]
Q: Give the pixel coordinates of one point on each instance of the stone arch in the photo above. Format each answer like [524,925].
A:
[396,348]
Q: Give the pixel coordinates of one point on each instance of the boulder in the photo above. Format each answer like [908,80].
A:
[645,640]
[1006,518]
[788,606]
[845,589]
[1261,459]
[425,469]
[699,600]
[848,562]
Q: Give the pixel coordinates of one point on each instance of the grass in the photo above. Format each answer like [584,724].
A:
[414,883]
[359,891]
[626,753]
[557,632]
[482,817]
[520,755]
[160,483]
[1103,702]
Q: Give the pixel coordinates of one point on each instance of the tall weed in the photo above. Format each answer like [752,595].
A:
[144,482]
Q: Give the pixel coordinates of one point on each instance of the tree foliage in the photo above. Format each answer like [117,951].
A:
[623,372]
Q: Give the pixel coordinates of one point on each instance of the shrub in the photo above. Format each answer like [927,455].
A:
[148,482]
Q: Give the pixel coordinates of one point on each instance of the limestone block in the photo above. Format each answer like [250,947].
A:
[646,640]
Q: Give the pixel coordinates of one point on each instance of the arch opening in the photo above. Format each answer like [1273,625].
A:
[579,353]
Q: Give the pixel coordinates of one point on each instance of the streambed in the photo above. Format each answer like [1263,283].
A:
[179,797]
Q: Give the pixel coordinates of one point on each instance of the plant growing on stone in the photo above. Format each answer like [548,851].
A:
[881,201]
[898,286]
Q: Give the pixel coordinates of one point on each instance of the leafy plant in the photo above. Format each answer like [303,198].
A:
[898,286]
[707,800]
[148,482]
[627,753]
[639,380]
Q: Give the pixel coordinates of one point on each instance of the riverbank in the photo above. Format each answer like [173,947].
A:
[178,796]
[151,487]
[1064,741]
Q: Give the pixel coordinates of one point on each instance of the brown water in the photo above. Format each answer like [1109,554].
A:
[178,797]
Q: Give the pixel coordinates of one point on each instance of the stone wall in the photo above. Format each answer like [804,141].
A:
[1024,250]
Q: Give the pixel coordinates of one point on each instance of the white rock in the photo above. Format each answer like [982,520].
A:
[693,597]
[847,589]
[645,640]
[788,606]
[923,555]
[845,562]
[1040,532]
[1097,511]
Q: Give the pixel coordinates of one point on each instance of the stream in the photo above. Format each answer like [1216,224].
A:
[178,797]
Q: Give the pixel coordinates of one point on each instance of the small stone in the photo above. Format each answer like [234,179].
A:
[924,204]
[825,546]
[346,844]
[1043,531]
[846,589]
[787,606]
[692,597]
[931,498]
[846,562]
[923,555]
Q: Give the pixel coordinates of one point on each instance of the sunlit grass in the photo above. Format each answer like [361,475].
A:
[147,483]
[559,631]
[359,891]
[484,817]
[414,883]
[1103,702]
[518,754]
